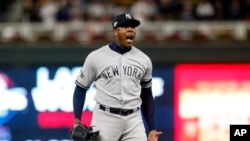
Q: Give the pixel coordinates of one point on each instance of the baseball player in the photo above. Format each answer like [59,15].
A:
[122,75]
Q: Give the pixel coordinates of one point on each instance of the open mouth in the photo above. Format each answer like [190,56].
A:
[130,37]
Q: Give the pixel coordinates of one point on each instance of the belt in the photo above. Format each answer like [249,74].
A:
[118,111]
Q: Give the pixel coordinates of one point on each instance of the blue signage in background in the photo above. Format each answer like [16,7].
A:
[164,119]
[36,103]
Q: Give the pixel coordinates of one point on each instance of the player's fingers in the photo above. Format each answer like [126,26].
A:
[159,132]
[154,135]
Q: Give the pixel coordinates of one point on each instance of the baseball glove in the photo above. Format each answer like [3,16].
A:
[81,132]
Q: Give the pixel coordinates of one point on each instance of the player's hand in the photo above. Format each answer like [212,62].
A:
[154,135]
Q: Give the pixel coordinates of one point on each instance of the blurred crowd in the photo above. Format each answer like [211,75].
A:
[51,13]
[104,10]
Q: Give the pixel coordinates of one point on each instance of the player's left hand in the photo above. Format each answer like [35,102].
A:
[154,135]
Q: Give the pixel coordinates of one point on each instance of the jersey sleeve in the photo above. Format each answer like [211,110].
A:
[87,73]
[147,78]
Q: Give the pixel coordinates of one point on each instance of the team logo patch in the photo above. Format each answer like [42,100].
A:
[128,16]
[81,74]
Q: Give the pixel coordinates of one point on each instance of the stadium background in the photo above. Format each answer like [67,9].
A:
[201,64]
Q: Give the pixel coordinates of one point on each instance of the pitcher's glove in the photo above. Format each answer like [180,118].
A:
[81,132]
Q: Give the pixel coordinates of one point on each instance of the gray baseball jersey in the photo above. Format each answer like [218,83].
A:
[117,76]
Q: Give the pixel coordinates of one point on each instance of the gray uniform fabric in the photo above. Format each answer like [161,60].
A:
[117,76]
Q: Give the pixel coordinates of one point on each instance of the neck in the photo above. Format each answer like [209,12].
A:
[119,49]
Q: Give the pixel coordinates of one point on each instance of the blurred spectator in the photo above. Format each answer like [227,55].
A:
[47,12]
[15,12]
[76,23]
[8,33]
[63,12]
[121,2]
[95,10]
[31,10]
[187,12]
[144,10]
[4,7]
[247,10]
[168,9]
[76,12]
[219,10]
[235,10]
[204,10]
[114,9]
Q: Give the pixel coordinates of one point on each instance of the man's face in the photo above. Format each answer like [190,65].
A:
[124,36]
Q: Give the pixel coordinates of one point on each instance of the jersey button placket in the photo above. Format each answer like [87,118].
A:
[122,79]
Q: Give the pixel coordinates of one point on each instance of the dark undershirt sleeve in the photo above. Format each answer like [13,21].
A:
[78,101]
[148,107]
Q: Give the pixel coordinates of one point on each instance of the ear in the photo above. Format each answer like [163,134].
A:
[115,32]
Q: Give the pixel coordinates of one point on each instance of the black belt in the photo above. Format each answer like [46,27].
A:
[123,112]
